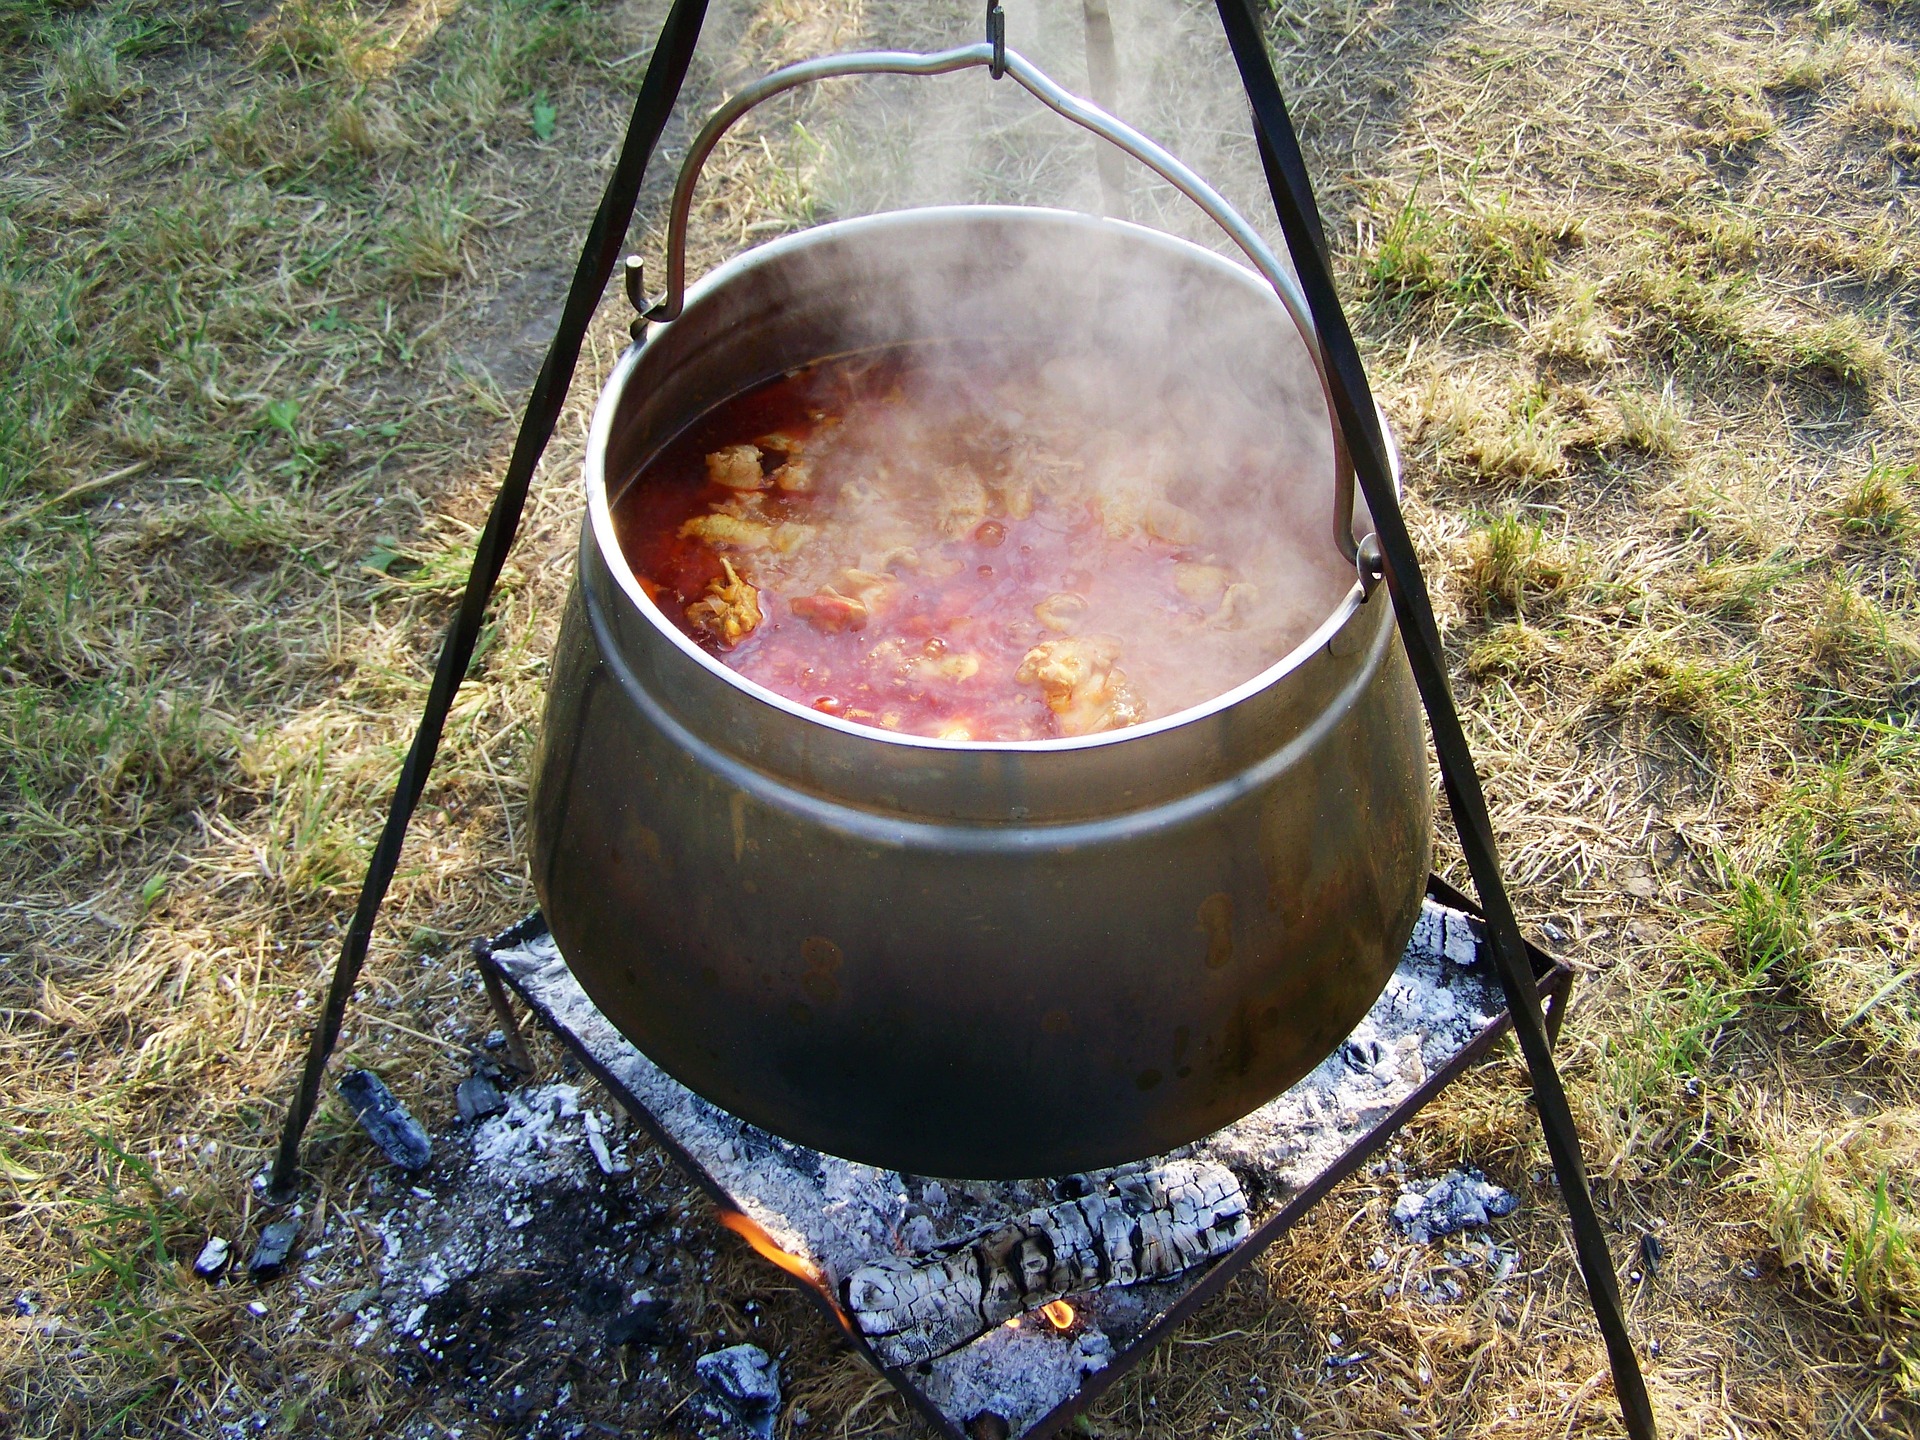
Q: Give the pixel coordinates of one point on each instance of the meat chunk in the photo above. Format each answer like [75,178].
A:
[1037,470]
[728,530]
[942,666]
[1061,611]
[870,589]
[864,582]
[1078,680]
[931,662]
[1015,494]
[1167,521]
[737,467]
[789,536]
[962,500]
[795,477]
[831,611]
[1203,584]
[1236,606]
[894,557]
[730,611]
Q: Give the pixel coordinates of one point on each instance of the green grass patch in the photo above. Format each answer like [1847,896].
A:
[1513,651]
[1736,588]
[1511,562]
[1843,1209]
[1474,259]
[1879,504]
[1727,316]
[1711,698]
[1644,1103]
[1853,639]
[1767,923]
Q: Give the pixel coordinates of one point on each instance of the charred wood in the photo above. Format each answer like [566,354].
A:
[1136,1225]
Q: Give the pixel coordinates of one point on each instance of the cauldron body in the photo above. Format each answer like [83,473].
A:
[960,959]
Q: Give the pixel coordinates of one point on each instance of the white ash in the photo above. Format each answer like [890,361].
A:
[1018,1372]
[746,1381]
[510,1277]
[518,1160]
[1441,997]
[835,1213]
[212,1258]
[1459,1200]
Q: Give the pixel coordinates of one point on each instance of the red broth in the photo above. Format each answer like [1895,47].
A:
[934,542]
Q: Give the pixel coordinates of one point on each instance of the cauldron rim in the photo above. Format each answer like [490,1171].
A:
[605,538]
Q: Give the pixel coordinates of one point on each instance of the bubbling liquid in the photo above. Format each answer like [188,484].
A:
[944,541]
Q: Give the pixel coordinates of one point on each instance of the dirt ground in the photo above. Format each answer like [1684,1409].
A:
[1639,285]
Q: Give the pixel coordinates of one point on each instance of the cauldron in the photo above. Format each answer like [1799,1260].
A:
[957,958]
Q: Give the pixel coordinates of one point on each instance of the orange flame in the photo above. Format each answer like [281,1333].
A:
[1059,1314]
[764,1245]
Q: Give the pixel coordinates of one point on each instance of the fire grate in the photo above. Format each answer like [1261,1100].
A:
[1002,1309]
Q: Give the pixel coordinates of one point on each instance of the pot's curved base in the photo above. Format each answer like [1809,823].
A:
[912,996]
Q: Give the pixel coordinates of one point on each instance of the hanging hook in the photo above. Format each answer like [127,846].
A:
[997,37]
[634,272]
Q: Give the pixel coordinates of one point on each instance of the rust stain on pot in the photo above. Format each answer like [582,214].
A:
[635,836]
[822,957]
[1216,923]
[737,808]
[1056,1022]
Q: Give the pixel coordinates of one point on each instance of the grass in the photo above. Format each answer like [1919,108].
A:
[1511,561]
[1468,258]
[1638,287]
[1878,505]
[1843,1210]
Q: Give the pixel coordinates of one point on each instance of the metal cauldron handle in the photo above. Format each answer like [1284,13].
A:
[998,60]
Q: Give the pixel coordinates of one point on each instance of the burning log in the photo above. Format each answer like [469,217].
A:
[1138,1225]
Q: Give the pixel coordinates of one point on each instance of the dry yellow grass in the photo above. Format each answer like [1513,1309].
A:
[1639,284]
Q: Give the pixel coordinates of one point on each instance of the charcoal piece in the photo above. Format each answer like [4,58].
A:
[640,1324]
[597,1297]
[276,1244]
[1652,1252]
[212,1259]
[384,1118]
[746,1381]
[478,1097]
[1458,1200]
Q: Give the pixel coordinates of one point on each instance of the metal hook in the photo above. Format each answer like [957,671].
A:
[1371,562]
[634,274]
[997,37]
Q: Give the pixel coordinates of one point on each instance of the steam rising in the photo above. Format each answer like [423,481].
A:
[1073,371]
[1154,373]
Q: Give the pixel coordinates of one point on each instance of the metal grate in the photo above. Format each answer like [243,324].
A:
[829,1220]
